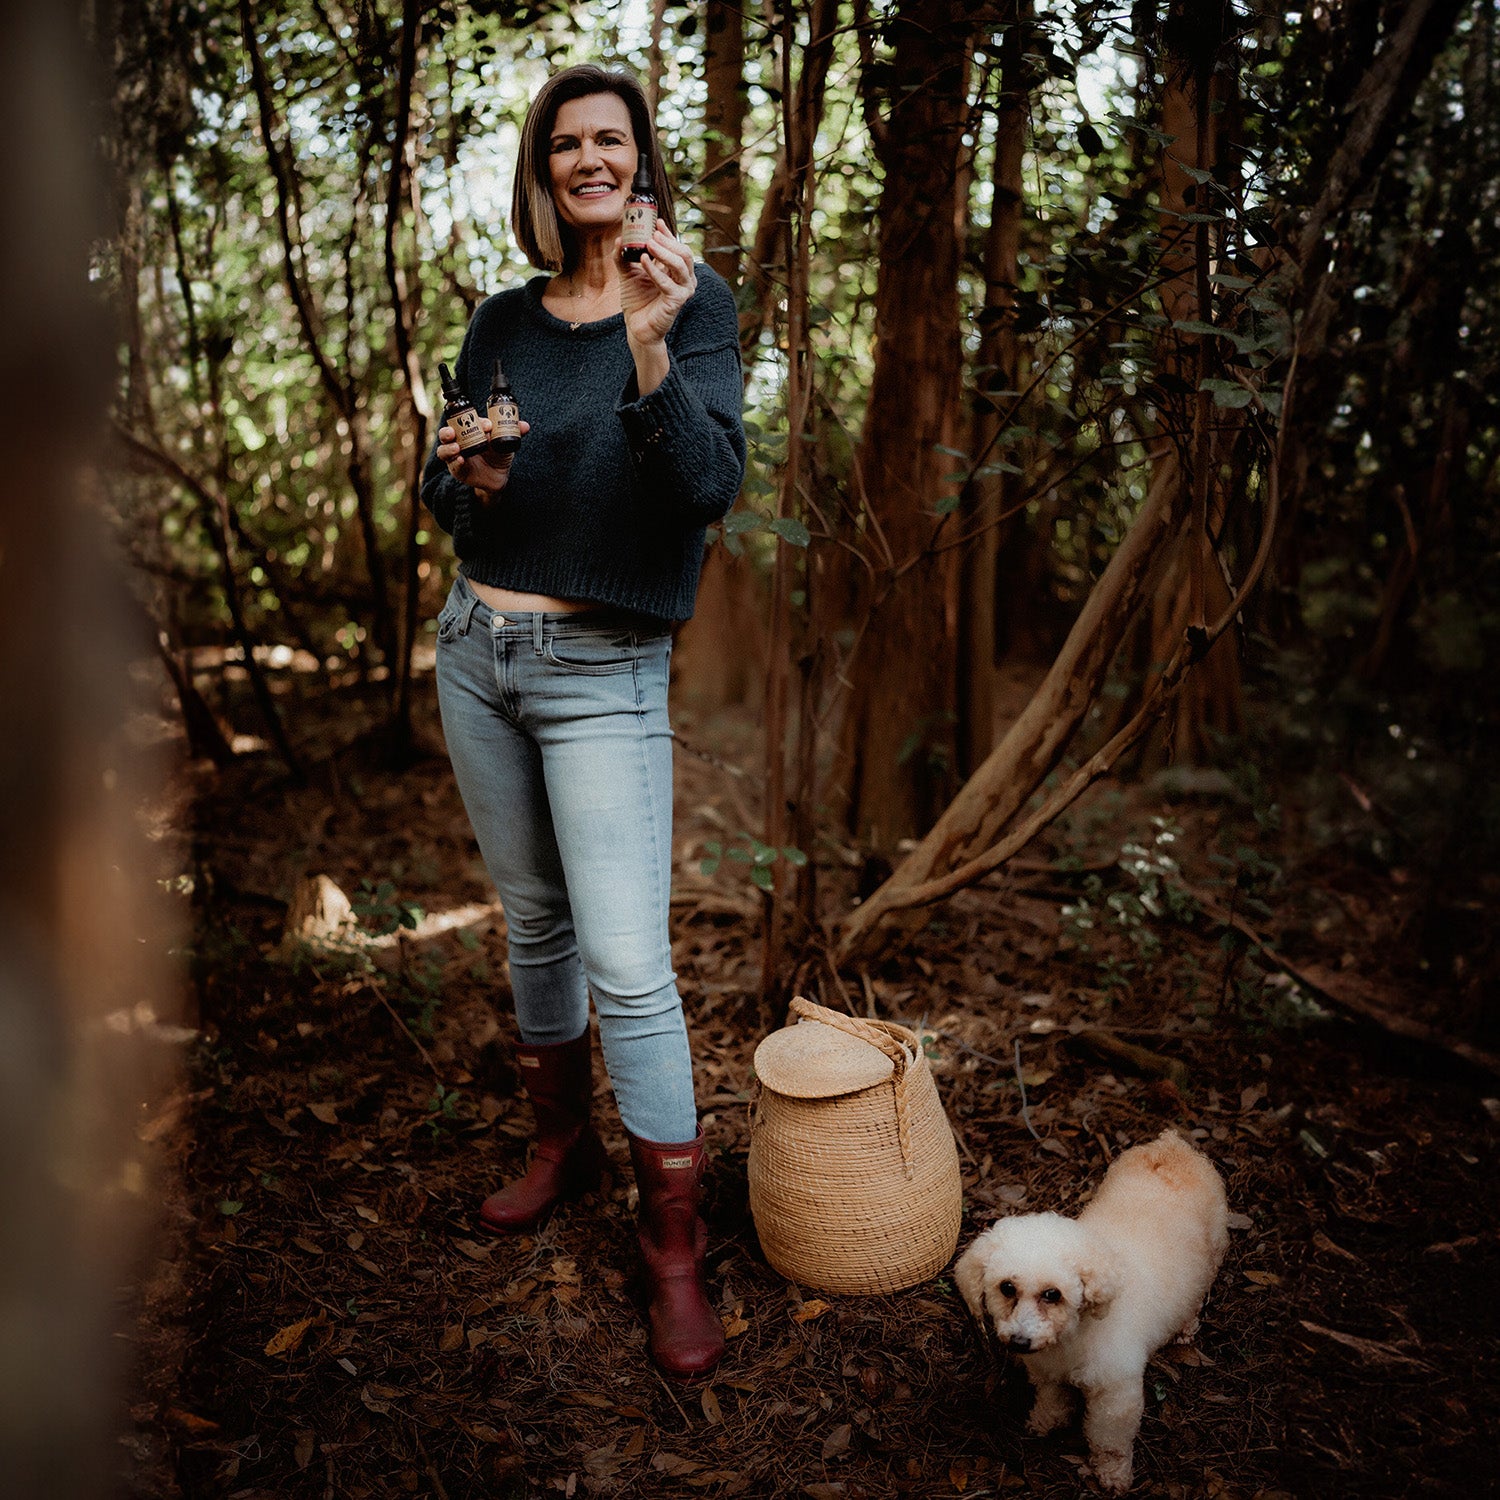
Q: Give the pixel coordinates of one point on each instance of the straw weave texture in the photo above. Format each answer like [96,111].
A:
[857,1193]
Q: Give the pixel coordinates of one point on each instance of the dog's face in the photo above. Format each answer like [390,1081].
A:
[1031,1279]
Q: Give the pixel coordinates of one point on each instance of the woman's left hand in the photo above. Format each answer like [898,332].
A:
[654,288]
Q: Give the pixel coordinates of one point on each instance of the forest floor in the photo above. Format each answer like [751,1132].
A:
[320,1317]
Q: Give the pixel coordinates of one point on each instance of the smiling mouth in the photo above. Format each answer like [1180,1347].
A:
[593,190]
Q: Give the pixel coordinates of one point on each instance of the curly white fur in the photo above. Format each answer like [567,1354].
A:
[1085,1302]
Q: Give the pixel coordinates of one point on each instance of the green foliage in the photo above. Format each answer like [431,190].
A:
[759,858]
[381,911]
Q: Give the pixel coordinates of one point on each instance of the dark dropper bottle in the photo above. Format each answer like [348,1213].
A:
[459,414]
[505,417]
[640,213]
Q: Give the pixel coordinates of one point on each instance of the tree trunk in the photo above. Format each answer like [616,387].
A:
[723,183]
[1192,585]
[720,656]
[898,736]
[990,492]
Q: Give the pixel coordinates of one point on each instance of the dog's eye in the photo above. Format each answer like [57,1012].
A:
[1007,1289]
[1052,1295]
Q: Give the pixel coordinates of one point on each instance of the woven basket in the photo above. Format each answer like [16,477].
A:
[854,1181]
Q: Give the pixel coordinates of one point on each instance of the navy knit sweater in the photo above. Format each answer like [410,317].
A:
[610,491]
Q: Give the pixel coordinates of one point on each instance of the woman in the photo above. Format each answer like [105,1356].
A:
[575,557]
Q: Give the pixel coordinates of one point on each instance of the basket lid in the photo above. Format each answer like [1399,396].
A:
[811,1061]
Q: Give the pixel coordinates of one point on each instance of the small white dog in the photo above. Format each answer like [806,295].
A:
[1086,1302]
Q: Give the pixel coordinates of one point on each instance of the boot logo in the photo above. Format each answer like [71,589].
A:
[529,1062]
[675,1163]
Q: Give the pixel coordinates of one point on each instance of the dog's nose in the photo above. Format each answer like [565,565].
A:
[1020,1343]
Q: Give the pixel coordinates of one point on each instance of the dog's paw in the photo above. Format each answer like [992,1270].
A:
[1187,1333]
[1114,1471]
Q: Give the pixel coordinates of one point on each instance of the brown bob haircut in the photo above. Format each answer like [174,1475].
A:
[547,242]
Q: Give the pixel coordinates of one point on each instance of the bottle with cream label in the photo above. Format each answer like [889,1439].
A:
[640,213]
[460,414]
[504,415]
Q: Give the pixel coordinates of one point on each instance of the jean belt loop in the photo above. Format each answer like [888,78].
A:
[470,605]
[536,631]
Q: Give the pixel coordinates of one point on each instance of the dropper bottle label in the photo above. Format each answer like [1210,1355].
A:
[460,414]
[640,212]
[504,415]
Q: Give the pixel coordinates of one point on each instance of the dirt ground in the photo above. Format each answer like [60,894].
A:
[321,1318]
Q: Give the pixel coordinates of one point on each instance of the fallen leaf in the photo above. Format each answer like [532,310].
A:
[1263,1278]
[588,1398]
[474,1251]
[286,1340]
[636,1445]
[734,1325]
[1240,1221]
[311,1246]
[670,1463]
[710,1404]
[307,1443]
[814,1308]
[958,1475]
[453,1337]
[327,1113]
[189,1421]
[367,1214]
[835,1491]
[836,1444]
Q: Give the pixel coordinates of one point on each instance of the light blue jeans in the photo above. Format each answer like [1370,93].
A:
[557,728]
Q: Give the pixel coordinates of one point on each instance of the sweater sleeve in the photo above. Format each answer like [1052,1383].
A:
[686,436]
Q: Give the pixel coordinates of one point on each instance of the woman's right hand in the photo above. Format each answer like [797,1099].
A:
[485,475]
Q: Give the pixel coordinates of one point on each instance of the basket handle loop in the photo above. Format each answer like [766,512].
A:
[876,1037]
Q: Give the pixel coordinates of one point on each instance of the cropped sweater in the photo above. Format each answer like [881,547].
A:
[610,491]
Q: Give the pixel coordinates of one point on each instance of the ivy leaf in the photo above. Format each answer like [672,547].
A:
[763,878]
[1228,393]
[790,529]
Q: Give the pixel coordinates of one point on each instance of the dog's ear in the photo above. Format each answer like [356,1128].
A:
[1100,1279]
[968,1276]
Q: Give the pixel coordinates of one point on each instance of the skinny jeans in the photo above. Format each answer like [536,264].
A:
[558,732]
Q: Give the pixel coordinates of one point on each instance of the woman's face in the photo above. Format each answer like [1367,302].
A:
[592,154]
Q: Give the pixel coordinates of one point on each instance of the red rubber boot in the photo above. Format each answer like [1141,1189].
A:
[569,1159]
[687,1337]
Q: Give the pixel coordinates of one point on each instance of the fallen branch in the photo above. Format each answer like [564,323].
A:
[1140,1059]
[1350,993]
[1374,1351]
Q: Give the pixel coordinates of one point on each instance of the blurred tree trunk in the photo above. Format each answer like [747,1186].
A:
[898,740]
[80,938]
